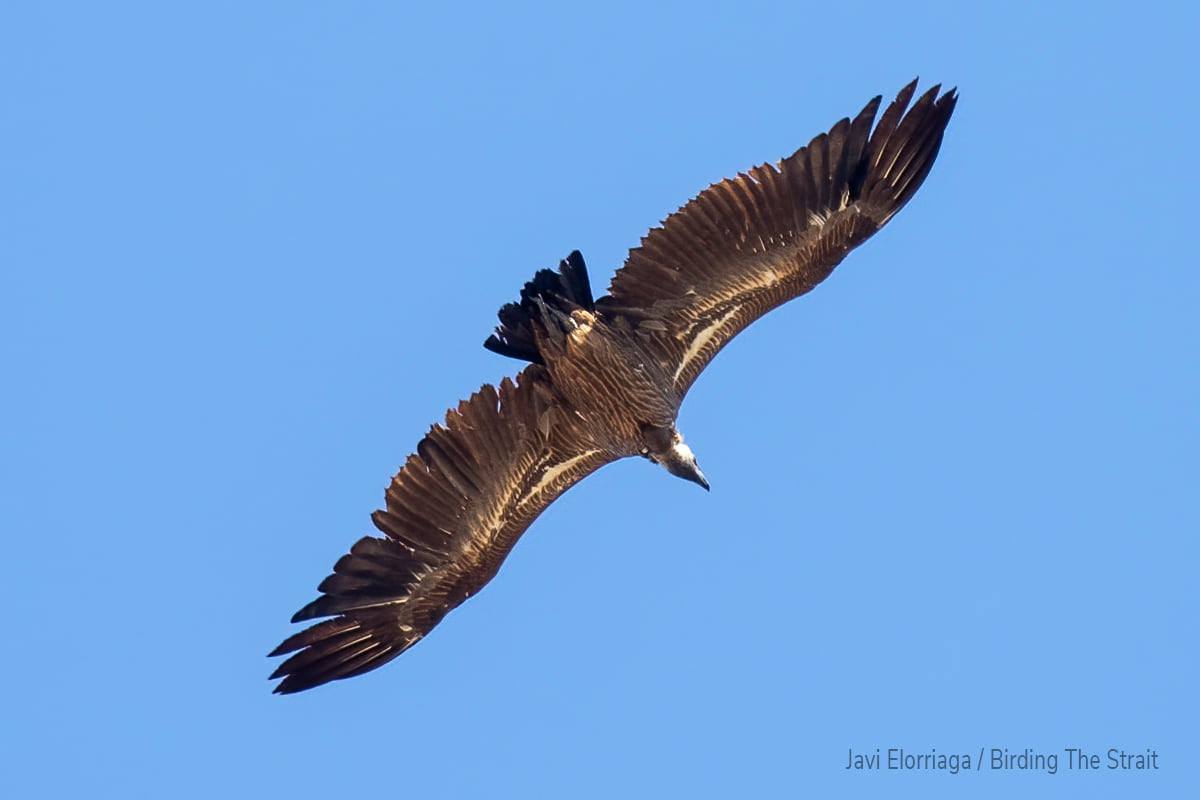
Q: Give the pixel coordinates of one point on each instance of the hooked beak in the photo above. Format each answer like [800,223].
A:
[680,461]
[696,476]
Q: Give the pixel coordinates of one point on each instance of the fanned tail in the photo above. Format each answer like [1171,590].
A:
[548,292]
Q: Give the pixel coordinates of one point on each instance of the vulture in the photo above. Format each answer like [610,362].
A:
[605,378]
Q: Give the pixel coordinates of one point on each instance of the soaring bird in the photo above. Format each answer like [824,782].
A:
[606,378]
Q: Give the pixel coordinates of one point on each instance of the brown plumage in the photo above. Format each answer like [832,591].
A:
[607,378]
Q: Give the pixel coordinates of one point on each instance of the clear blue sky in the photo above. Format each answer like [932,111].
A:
[249,254]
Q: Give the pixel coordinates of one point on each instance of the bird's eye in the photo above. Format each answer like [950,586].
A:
[645,451]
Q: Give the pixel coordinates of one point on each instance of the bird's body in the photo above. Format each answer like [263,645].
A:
[606,379]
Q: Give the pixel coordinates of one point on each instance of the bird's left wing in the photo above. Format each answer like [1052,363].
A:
[746,245]
[453,512]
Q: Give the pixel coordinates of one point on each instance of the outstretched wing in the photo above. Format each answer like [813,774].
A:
[751,243]
[453,512]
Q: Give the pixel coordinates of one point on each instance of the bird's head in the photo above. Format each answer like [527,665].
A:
[679,460]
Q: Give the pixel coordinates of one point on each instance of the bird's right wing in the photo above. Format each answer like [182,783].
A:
[749,244]
[453,513]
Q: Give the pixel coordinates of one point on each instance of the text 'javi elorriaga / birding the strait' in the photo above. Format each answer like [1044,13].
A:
[1002,759]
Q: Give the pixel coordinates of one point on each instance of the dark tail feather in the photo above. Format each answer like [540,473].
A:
[562,291]
[575,281]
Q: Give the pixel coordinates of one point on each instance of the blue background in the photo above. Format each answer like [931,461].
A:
[250,252]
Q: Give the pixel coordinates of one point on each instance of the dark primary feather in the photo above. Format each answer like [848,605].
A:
[748,244]
[451,516]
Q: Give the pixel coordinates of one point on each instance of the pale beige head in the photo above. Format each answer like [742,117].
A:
[679,460]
